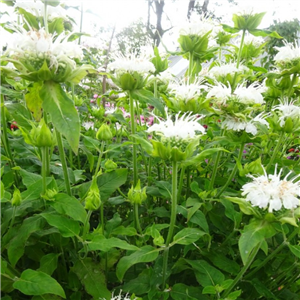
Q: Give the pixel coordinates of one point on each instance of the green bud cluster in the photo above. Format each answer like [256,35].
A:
[137,195]
[93,198]
[104,133]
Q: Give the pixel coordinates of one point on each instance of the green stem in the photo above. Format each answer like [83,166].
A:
[44,169]
[214,173]
[294,78]
[102,217]
[274,253]
[229,180]
[180,185]
[100,157]
[4,140]
[133,130]
[281,137]
[137,218]
[188,181]
[243,270]
[172,221]
[240,50]
[63,161]
[45,17]
[191,65]
[86,226]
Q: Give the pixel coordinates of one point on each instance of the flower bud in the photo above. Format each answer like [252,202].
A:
[110,165]
[16,199]
[50,194]
[255,167]
[137,195]
[41,136]
[93,198]
[104,133]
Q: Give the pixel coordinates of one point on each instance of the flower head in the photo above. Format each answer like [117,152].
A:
[270,191]
[132,63]
[37,49]
[287,110]
[121,297]
[183,128]
[287,54]
[250,94]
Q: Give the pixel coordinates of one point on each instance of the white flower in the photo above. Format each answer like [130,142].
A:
[120,297]
[187,91]
[197,26]
[237,124]
[256,41]
[131,63]
[183,128]
[38,45]
[287,53]
[88,125]
[269,191]
[251,94]
[224,70]
[246,10]
[220,92]
[287,109]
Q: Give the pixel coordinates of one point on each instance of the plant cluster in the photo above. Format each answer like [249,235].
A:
[159,188]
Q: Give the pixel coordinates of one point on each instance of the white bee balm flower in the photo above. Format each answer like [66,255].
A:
[270,191]
[287,53]
[183,128]
[287,109]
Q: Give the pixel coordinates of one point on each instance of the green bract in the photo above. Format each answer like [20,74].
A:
[247,22]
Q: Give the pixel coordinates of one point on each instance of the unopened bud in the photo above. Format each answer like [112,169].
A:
[93,199]
[16,199]
[104,133]
[137,195]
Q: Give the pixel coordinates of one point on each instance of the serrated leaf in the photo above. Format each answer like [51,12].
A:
[63,112]
[187,236]
[66,227]
[206,274]
[103,244]
[38,283]
[34,101]
[48,263]
[70,206]
[146,97]
[253,234]
[144,254]
[17,244]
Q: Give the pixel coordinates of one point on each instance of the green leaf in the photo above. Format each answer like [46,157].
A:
[92,277]
[209,290]
[146,97]
[109,182]
[20,114]
[16,246]
[187,236]
[38,283]
[181,291]
[253,234]
[48,263]
[10,93]
[30,18]
[206,274]
[80,72]
[262,290]
[145,254]
[70,206]
[63,112]
[230,29]
[29,178]
[295,249]
[66,227]
[34,101]
[264,33]
[101,243]
[141,284]
[121,230]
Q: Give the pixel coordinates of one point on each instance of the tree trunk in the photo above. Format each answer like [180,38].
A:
[159,8]
[190,8]
[204,7]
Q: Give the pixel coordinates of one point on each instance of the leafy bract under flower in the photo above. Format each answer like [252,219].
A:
[272,192]
[183,128]
[287,110]
[287,54]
